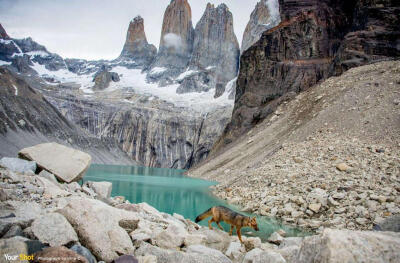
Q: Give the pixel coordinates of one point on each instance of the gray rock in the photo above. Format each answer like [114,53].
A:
[81,250]
[18,165]
[48,176]
[275,238]
[102,189]
[53,229]
[391,223]
[15,230]
[235,251]
[259,256]
[172,237]
[213,255]
[216,238]
[260,20]
[354,246]
[103,78]
[170,256]
[97,225]
[65,163]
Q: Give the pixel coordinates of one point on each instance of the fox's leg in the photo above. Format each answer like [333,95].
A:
[230,232]
[239,234]
[220,227]
[209,223]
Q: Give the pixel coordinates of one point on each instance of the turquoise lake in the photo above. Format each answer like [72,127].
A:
[169,191]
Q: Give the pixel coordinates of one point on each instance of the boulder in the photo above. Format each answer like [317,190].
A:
[20,213]
[15,230]
[18,245]
[98,228]
[195,239]
[59,254]
[52,190]
[289,253]
[251,243]
[275,238]
[72,187]
[350,246]
[125,259]
[54,229]
[213,255]
[102,189]
[18,165]
[391,223]
[235,251]
[172,237]
[197,254]
[216,238]
[48,176]
[259,256]
[65,163]
[84,252]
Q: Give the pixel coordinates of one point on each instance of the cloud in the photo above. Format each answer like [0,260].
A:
[172,40]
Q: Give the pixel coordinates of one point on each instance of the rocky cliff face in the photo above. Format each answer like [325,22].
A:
[374,35]
[136,46]
[303,49]
[151,132]
[27,119]
[215,43]
[215,49]
[3,33]
[177,34]
[261,19]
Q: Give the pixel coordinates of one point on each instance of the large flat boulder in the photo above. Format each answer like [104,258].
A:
[351,246]
[100,227]
[67,164]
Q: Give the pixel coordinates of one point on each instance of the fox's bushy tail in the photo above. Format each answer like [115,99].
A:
[204,215]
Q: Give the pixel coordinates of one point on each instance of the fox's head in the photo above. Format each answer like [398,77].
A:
[253,223]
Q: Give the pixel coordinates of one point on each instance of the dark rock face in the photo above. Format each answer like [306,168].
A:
[103,78]
[177,34]
[215,43]
[3,33]
[27,119]
[374,35]
[315,40]
[261,19]
[215,57]
[136,46]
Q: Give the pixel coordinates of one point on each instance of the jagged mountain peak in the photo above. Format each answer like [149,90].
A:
[3,33]
[176,36]
[262,18]
[136,46]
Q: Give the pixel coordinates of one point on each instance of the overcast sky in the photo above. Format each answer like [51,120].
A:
[96,29]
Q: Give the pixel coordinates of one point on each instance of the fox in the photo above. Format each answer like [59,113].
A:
[222,213]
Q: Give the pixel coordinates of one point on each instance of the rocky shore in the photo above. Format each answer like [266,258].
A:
[43,218]
[328,157]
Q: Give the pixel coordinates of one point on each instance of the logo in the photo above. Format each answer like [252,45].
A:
[20,257]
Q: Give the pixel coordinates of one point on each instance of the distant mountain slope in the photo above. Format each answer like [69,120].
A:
[27,118]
